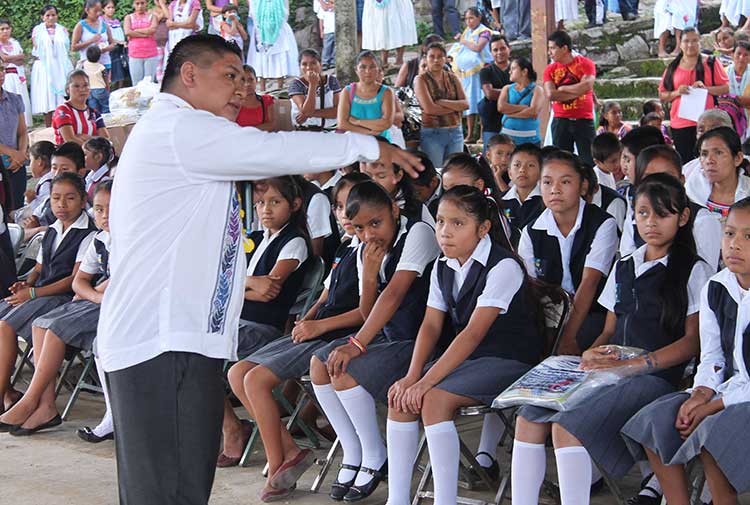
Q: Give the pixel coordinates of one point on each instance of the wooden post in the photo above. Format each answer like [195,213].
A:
[542,24]
[346,40]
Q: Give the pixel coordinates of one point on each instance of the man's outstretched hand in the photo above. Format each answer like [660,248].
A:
[407,161]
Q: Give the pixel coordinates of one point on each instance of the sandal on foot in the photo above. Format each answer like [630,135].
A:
[271,494]
[290,471]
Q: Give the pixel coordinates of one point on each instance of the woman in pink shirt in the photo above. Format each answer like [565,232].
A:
[690,70]
[143,55]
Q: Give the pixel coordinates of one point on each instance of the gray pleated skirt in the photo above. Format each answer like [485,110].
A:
[597,422]
[723,434]
[286,359]
[75,323]
[653,427]
[482,379]
[21,316]
[253,336]
[386,362]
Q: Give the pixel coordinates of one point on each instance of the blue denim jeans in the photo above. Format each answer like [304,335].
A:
[99,100]
[448,9]
[329,49]
[438,143]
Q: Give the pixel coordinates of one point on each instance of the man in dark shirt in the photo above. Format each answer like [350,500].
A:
[493,78]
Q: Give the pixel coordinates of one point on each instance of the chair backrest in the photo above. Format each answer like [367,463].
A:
[312,284]
[26,262]
[556,306]
[16,236]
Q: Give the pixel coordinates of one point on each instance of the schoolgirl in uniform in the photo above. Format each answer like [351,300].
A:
[321,223]
[607,199]
[483,288]
[274,277]
[350,374]
[709,421]
[652,303]
[571,244]
[706,228]
[68,157]
[336,314]
[722,182]
[72,324]
[40,154]
[522,203]
[400,188]
[463,169]
[99,155]
[49,284]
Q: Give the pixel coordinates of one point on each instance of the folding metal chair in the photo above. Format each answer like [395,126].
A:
[16,236]
[25,360]
[26,262]
[88,381]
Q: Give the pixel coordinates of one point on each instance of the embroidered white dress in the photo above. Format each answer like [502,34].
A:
[51,69]
[671,15]
[279,59]
[15,82]
[388,24]
[566,10]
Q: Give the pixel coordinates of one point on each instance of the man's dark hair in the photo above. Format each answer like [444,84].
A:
[561,38]
[200,49]
[495,38]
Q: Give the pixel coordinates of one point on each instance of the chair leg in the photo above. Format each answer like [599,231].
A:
[87,366]
[326,466]
[63,375]
[613,486]
[25,360]
[295,418]
[249,447]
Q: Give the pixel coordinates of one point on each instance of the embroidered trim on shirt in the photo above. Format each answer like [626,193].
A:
[227,265]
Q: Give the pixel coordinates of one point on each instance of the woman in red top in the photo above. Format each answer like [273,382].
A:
[690,70]
[74,121]
[256,110]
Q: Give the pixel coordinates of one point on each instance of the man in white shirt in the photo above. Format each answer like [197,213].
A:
[171,312]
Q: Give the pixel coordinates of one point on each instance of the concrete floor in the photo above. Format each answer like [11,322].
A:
[57,467]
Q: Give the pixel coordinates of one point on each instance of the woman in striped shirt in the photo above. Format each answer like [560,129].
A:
[74,121]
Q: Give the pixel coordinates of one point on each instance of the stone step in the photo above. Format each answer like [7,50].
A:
[627,87]
[649,67]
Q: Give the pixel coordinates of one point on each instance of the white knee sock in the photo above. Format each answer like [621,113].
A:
[492,429]
[360,405]
[106,426]
[528,466]
[403,439]
[574,475]
[442,440]
[343,427]
[653,482]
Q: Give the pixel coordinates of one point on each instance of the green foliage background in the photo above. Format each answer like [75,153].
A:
[26,14]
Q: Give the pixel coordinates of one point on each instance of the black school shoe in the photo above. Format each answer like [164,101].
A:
[643,499]
[340,489]
[87,434]
[357,493]
[493,471]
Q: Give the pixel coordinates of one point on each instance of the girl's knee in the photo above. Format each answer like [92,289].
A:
[7,330]
[401,417]
[437,407]
[318,372]
[236,375]
[531,432]
[563,438]
[260,378]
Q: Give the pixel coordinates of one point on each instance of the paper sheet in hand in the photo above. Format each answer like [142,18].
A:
[693,104]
